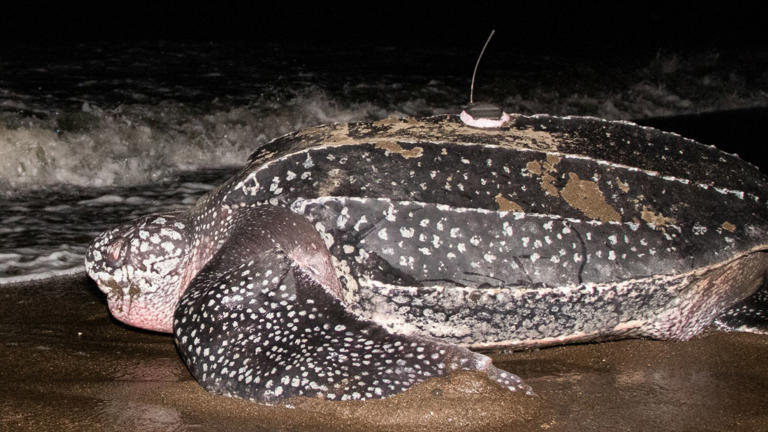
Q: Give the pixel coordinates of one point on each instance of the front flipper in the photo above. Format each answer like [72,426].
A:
[257,324]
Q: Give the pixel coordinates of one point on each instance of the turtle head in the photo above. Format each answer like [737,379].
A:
[140,267]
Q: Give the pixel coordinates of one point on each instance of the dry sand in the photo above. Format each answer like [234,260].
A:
[66,365]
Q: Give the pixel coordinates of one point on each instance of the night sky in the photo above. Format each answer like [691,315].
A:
[543,26]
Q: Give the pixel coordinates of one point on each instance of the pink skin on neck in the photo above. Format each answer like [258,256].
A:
[141,314]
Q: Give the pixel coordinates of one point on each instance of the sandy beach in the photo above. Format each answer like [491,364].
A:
[65,364]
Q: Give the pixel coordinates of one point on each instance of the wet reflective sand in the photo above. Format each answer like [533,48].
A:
[65,365]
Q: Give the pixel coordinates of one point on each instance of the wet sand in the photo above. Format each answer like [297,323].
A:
[66,365]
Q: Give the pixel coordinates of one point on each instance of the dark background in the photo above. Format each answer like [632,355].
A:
[587,27]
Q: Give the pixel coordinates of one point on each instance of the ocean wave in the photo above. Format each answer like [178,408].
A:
[140,144]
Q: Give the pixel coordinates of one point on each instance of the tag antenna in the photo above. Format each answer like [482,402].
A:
[474,73]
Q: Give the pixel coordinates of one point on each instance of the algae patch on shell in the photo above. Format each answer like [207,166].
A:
[585,196]
[546,169]
[394,147]
[507,205]
[656,219]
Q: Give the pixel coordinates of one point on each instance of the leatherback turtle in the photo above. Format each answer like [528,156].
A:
[351,261]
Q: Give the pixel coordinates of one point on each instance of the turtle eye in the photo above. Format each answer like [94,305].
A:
[113,253]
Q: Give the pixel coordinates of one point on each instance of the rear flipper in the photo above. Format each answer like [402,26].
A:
[750,315]
[254,324]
